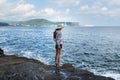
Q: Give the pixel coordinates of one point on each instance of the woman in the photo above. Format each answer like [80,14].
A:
[57,35]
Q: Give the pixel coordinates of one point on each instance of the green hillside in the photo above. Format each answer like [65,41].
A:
[37,22]
[41,22]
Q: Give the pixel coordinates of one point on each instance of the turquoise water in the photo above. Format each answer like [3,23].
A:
[96,49]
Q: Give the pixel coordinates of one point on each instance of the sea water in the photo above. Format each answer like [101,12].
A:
[96,49]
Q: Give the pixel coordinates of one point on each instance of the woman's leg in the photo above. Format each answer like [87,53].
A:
[56,57]
[59,53]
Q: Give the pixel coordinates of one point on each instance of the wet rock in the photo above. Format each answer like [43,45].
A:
[1,52]
[74,78]
[103,78]
[68,67]
[84,73]
[53,77]
[109,78]
[20,68]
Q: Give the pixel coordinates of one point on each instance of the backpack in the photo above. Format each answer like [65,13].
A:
[54,34]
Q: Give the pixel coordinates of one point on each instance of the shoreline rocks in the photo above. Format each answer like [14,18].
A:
[1,52]
[21,68]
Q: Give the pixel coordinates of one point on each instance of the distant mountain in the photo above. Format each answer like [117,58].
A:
[41,22]
[4,24]
[36,22]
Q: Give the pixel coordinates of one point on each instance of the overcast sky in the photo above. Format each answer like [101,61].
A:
[87,12]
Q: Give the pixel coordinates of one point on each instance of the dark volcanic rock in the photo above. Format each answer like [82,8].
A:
[20,68]
[68,67]
[1,52]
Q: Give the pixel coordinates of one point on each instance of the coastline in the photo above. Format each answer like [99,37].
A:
[21,68]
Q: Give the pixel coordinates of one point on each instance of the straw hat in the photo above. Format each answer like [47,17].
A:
[59,26]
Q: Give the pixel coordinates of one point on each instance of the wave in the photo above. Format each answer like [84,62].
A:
[111,74]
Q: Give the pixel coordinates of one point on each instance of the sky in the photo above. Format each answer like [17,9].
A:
[86,12]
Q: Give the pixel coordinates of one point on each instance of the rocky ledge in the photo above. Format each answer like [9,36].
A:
[21,68]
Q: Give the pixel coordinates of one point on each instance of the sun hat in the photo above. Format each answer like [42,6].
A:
[59,26]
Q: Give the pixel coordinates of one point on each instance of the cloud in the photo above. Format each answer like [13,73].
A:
[114,2]
[48,12]
[99,9]
[15,10]
[63,18]
[2,1]
[23,8]
[54,15]
[66,3]
[23,11]
[67,11]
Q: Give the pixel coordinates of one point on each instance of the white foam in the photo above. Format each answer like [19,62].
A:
[39,57]
[116,76]
[27,54]
[111,74]
[7,50]
[42,59]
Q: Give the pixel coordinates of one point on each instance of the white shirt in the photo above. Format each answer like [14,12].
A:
[58,37]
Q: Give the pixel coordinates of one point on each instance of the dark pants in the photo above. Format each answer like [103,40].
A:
[57,46]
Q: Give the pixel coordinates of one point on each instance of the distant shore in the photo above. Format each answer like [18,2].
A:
[37,22]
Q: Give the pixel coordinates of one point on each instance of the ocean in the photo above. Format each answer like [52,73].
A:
[96,49]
